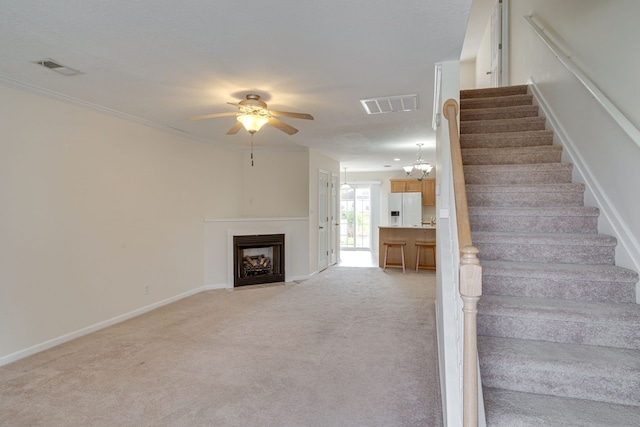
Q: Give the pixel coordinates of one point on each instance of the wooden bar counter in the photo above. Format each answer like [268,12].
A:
[426,233]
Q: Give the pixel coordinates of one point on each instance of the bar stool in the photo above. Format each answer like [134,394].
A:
[432,246]
[387,245]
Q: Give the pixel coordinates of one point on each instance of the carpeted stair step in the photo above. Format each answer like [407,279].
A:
[559,330]
[526,195]
[506,139]
[578,322]
[545,248]
[512,155]
[538,173]
[516,112]
[535,220]
[606,283]
[489,92]
[496,102]
[570,370]
[525,124]
[505,408]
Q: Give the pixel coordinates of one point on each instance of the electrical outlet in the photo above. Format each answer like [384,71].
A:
[146,289]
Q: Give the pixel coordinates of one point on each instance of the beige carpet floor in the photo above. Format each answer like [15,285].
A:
[348,347]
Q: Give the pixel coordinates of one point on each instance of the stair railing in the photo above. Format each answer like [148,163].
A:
[470,275]
[559,49]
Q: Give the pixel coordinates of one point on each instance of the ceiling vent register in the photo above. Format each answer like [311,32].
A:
[390,104]
[58,68]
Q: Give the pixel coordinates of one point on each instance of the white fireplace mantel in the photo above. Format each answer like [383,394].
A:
[218,246]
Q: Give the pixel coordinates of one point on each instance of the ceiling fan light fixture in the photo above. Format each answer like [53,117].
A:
[252,122]
[252,114]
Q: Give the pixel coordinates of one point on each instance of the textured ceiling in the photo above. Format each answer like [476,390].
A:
[160,61]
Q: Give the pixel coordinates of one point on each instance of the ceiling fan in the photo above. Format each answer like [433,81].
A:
[253,114]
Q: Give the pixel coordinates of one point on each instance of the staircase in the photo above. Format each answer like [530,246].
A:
[558,327]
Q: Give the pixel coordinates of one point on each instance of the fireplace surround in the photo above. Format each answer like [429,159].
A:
[258,259]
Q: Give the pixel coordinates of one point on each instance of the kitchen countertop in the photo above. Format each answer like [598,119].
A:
[409,235]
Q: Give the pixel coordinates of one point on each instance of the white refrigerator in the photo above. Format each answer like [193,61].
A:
[405,209]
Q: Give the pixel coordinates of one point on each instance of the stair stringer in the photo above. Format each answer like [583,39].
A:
[610,221]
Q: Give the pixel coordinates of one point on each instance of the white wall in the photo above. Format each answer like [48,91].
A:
[602,38]
[94,208]
[468,75]
[448,302]
[483,59]
[277,184]
[274,196]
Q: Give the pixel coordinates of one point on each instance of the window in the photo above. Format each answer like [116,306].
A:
[355,217]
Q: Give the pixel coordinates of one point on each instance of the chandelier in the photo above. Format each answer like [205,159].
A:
[420,169]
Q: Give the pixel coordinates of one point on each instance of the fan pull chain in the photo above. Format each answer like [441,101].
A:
[251,150]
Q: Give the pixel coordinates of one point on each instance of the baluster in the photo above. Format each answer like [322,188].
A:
[470,291]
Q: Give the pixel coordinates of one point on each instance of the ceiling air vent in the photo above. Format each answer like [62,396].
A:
[390,104]
[53,65]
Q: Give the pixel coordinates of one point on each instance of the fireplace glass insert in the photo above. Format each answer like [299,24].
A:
[258,259]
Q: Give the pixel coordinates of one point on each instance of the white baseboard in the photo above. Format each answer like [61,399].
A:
[215,286]
[4,360]
[225,286]
[298,278]
[614,220]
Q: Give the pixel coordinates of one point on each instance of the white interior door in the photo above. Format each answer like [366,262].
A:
[334,238]
[496,45]
[323,220]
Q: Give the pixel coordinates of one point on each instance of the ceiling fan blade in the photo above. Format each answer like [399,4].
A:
[234,129]
[233,103]
[278,124]
[210,116]
[292,115]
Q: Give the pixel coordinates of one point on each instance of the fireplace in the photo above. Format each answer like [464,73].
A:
[258,259]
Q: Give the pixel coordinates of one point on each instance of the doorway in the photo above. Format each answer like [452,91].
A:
[323,219]
[355,218]
[334,238]
[500,44]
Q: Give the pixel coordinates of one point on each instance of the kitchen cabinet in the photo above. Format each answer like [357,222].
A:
[398,186]
[406,186]
[414,186]
[429,192]
[427,187]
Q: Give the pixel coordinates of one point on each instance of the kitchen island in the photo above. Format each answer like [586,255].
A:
[410,235]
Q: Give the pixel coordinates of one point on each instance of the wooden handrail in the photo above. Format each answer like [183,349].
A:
[450,111]
[470,274]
